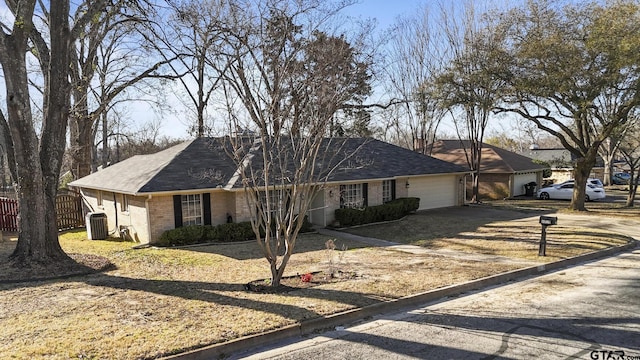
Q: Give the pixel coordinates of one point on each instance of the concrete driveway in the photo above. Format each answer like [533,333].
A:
[590,311]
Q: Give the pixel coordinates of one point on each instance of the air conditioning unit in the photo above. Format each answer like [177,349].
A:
[97,226]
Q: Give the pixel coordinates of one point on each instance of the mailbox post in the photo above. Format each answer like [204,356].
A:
[545,221]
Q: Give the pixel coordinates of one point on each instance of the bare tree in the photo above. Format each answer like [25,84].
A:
[469,88]
[36,156]
[193,35]
[286,80]
[414,58]
[565,66]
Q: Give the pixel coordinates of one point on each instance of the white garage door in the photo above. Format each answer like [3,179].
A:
[434,191]
[519,180]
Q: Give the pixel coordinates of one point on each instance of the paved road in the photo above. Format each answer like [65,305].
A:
[591,311]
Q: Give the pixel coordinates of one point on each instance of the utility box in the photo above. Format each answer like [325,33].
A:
[97,226]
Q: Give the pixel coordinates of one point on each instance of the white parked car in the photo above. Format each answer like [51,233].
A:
[594,182]
[564,191]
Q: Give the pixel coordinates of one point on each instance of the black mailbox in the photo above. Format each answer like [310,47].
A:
[549,220]
[545,221]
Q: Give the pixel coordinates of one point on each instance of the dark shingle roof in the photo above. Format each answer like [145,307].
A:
[205,163]
[376,159]
[494,159]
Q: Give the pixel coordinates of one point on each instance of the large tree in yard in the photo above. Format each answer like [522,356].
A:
[36,150]
[574,72]
[285,80]
[113,56]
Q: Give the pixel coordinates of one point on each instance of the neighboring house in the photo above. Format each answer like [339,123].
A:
[555,157]
[562,161]
[194,183]
[503,173]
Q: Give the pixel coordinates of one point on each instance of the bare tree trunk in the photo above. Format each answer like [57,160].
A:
[105,141]
[38,162]
[607,158]
[631,196]
[582,170]
[81,130]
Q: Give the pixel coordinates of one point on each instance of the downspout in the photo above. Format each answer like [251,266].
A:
[464,189]
[512,185]
[115,208]
[85,201]
[146,205]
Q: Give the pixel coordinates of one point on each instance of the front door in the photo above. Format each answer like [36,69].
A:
[316,213]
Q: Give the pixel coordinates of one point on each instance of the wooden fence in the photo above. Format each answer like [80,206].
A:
[69,212]
[68,209]
[8,215]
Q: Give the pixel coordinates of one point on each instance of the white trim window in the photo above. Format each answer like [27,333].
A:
[192,209]
[99,199]
[351,196]
[278,200]
[388,192]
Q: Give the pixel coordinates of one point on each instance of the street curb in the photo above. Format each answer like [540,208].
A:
[222,350]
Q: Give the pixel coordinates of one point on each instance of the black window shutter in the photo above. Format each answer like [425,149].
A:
[206,208]
[177,210]
[393,189]
[365,194]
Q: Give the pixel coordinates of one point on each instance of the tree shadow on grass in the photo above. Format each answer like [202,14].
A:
[250,250]
[440,223]
[236,295]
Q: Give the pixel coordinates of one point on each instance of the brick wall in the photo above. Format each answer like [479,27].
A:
[220,201]
[161,216]
[242,212]
[491,186]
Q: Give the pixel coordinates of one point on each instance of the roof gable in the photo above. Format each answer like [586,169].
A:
[494,159]
[130,175]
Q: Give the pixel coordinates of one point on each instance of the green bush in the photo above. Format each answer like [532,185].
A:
[231,232]
[391,210]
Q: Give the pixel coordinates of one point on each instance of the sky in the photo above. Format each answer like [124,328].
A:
[384,11]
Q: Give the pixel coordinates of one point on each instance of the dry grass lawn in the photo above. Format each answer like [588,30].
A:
[162,301]
[495,232]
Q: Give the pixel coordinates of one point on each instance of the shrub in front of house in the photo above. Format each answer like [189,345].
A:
[223,233]
[194,234]
[392,210]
